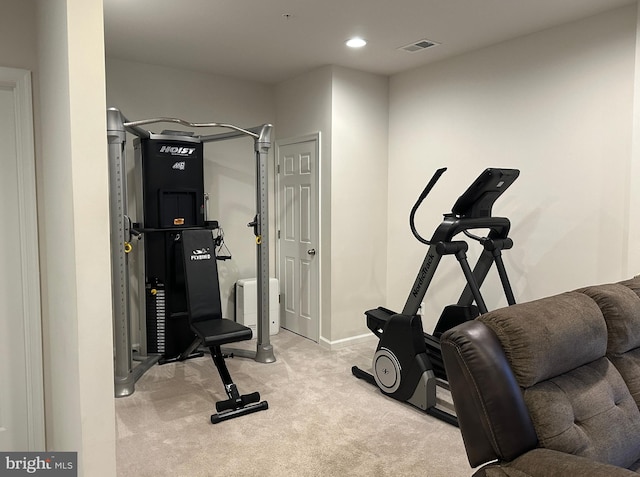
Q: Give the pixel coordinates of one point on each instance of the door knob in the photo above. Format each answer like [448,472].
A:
[311,251]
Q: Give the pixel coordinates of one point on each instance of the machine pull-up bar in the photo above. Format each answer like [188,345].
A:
[142,122]
[121,230]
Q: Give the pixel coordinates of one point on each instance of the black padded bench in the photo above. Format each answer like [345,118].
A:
[206,321]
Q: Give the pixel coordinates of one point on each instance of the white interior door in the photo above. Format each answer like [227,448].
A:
[21,394]
[299,251]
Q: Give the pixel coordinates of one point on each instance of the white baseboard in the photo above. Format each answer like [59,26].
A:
[346,342]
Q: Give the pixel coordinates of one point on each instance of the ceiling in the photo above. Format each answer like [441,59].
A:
[272,40]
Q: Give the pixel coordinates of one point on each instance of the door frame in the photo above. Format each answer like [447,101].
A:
[19,82]
[315,137]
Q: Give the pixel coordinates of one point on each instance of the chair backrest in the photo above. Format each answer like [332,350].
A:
[201,275]
[620,306]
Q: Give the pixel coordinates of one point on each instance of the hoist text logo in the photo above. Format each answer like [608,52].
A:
[177,150]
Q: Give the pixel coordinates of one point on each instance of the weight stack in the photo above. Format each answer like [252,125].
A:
[170,182]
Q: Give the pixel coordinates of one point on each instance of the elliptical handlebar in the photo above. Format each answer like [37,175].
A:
[472,210]
[416,206]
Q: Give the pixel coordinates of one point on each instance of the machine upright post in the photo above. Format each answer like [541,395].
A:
[116,135]
[502,272]
[264,349]
[422,282]
[472,284]
[480,271]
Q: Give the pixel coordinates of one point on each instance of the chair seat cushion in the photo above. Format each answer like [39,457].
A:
[221,331]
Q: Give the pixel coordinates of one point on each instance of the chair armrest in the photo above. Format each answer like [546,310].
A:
[492,415]
[550,463]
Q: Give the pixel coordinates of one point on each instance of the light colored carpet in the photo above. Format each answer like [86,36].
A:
[321,421]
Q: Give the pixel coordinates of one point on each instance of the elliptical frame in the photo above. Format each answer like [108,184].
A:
[408,363]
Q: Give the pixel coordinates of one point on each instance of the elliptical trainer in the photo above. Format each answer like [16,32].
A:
[407,364]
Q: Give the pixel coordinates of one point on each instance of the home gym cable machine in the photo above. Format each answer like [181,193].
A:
[174,150]
[407,364]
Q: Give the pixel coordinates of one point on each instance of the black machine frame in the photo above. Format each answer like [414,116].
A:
[408,363]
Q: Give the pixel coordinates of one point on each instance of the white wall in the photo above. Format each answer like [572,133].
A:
[144,91]
[303,107]
[634,171]
[359,151]
[59,40]
[558,106]
[21,320]
[350,109]
[18,47]
[80,413]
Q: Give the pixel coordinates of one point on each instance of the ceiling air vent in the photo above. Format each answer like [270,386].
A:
[419,45]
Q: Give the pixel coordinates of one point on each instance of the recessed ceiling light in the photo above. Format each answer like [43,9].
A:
[356,42]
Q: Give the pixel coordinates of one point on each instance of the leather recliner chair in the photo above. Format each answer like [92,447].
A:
[551,387]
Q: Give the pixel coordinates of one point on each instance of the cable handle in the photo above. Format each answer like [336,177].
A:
[424,194]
